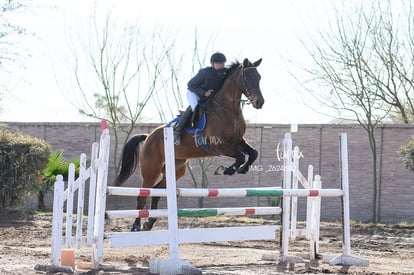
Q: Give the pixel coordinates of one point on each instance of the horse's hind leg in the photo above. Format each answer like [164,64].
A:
[149,177]
[141,201]
[246,148]
[179,172]
[154,205]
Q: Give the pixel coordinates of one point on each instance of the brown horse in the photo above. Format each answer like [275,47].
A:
[225,122]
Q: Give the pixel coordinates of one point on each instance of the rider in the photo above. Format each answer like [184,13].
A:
[203,84]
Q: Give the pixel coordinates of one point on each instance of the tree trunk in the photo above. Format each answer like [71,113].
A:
[41,200]
[373,145]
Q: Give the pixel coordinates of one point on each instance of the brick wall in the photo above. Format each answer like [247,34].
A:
[319,145]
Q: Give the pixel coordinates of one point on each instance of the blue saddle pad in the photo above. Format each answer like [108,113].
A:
[201,124]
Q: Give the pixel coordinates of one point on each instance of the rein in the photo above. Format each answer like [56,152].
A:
[243,101]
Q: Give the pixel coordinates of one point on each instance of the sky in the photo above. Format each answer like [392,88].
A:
[266,29]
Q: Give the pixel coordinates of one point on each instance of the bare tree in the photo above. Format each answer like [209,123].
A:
[393,51]
[359,70]
[168,99]
[129,71]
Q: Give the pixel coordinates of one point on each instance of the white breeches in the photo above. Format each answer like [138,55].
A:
[192,99]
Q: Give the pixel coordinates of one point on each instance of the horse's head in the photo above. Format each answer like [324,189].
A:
[250,83]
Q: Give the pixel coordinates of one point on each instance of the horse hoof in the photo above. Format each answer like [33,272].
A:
[243,170]
[219,170]
[146,227]
[230,171]
[135,228]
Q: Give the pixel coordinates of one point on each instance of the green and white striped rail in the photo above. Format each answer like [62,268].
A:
[195,212]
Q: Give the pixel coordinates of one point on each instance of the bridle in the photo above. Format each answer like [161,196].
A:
[246,91]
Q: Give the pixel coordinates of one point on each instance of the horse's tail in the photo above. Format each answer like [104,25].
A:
[130,158]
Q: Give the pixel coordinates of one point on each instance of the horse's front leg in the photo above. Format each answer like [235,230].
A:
[230,151]
[246,148]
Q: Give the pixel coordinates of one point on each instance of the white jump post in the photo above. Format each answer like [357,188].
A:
[100,201]
[286,202]
[313,218]
[345,258]
[57,238]
[173,265]
[92,191]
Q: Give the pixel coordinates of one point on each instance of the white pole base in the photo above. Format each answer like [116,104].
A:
[347,260]
[290,259]
[172,267]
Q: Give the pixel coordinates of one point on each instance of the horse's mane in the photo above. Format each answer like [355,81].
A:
[230,69]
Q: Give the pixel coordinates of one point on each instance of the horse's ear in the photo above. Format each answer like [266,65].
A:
[257,63]
[246,63]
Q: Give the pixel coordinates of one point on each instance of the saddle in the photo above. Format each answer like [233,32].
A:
[196,125]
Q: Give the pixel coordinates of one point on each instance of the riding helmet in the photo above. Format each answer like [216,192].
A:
[218,57]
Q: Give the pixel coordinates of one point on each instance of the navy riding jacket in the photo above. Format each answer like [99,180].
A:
[206,79]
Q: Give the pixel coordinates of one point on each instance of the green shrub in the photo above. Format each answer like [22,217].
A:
[22,160]
[57,165]
[407,151]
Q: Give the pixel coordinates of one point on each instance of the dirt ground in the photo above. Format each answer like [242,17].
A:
[25,242]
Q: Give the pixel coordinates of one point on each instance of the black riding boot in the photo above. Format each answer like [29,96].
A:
[178,129]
